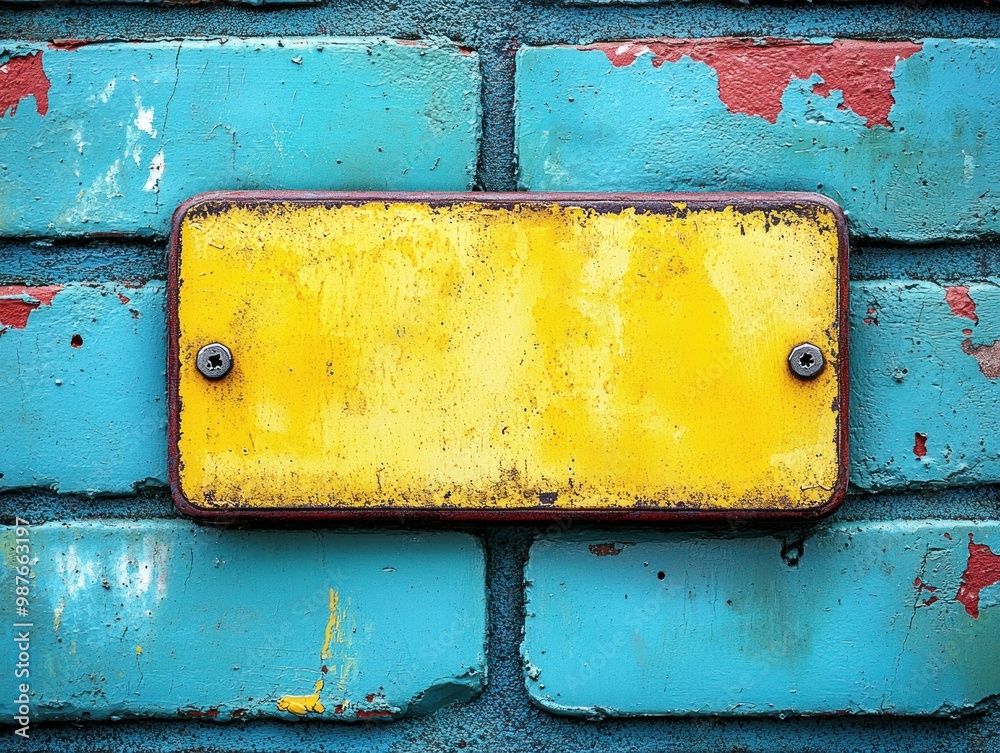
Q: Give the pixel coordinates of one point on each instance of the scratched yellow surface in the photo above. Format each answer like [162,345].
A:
[480,357]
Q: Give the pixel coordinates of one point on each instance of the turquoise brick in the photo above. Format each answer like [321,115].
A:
[83,391]
[925,384]
[905,136]
[111,137]
[166,619]
[856,618]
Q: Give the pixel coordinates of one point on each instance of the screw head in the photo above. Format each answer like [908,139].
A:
[214,361]
[806,360]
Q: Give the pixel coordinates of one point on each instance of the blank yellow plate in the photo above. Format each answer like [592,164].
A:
[508,355]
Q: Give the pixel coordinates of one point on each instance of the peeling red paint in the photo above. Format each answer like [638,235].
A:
[605,550]
[18,301]
[930,601]
[872,317]
[124,299]
[948,536]
[754,74]
[374,714]
[988,357]
[22,77]
[981,571]
[199,714]
[919,444]
[960,302]
[71,44]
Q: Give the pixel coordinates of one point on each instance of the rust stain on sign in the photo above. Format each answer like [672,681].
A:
[510,355]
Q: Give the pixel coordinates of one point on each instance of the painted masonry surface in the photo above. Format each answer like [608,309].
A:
[875,628]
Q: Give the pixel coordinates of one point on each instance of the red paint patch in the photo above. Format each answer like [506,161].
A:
[70,44]
[754,74]
[981,571]
[20,78]
[18,301]
[374,714]
[988,357]
[919,444]
[199,714]
[948,536]
[872,317]
[76,341]
[124,299]
[605,550]
[961,304]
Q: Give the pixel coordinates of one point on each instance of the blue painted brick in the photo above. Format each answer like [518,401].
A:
[112,137]
[904,136]
[853,618]
[167,619]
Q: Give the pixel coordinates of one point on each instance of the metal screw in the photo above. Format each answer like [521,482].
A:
[805,360]
[214,361]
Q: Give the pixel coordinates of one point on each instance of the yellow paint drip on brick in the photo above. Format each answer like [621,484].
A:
[311,704]
[480,357]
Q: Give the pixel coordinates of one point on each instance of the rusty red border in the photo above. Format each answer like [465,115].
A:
[601,202]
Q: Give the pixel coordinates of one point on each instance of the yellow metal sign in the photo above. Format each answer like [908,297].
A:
[508,355]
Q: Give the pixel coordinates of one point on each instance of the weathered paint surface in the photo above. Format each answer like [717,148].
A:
[922,403]
[904,135]
[112,137]
[867,618]
[82,387]
[541,356]
[925,384]
[171,620]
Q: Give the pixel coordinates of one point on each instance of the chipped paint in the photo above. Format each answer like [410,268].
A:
[467,356]
[610,549]
[961,302]
[924,390]
[754,73]
[21,77]
[18,301]
[78,421]
[134,135]
[902,135]
[981,571]
[694,624]
[987,356]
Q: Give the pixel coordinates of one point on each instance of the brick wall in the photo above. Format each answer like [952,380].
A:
[875,628]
